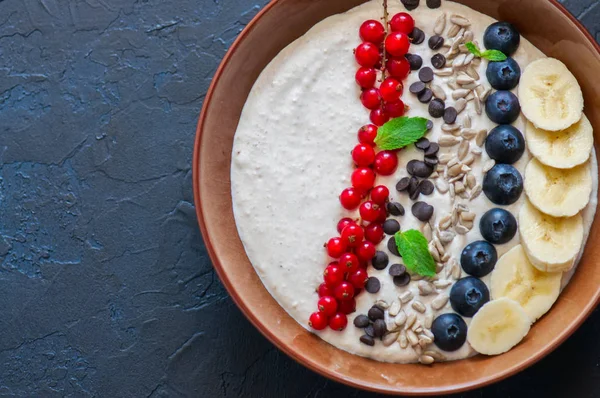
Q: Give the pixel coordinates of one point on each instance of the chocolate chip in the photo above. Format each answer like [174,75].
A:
[433,149]
[422,144]
[397,270]
[379,328]
[426,187]
[450,115]
[391,245]
[431,160]
[426,74]
[414,60]
[373,285]
[429,125]
[414,194]
[438,61]
[402,280]
[436,108]
[368,340]
[414,184]
[361,321]
[395,209]
[380,261]
[434,3]
[425,96]
[436,42]
[410,4]
[402,185]
[422,211]
[375,313]
[418,168]
[417,88]
[417,36]
[370,331]
[391,226]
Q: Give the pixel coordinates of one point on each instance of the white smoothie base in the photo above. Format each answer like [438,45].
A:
[291,159]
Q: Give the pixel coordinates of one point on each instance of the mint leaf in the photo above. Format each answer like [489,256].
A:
[414,250]
[494,55]
[400,132]
[491,55]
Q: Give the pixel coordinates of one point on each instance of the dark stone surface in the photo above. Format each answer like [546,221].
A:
[106,289]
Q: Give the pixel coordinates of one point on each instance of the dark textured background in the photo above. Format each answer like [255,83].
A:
[106,289]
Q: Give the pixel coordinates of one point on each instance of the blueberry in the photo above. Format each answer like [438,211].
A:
[502,36]
[468,295]
[449,332]
[504,75]
[503,184]
[498,226]
[505,144]
[478,258]
[502,107]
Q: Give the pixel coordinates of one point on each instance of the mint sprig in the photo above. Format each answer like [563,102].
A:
[414,250]
[490,55]
[400,132]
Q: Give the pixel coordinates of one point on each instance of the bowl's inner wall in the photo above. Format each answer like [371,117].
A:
[285,20]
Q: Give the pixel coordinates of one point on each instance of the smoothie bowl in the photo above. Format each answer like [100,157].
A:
[413,183]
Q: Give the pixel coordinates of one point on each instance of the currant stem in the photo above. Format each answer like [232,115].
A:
[385,27]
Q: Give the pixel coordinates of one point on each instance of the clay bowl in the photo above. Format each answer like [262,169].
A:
[543,22]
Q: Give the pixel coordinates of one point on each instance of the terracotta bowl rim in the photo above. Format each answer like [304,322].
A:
[272,337]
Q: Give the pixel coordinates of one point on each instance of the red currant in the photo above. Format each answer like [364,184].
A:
[369,211]
[380,194]
[347,306]
[349,262]
[343,223]
[365,77]
[367,54]
[379,116]
[395,109]
[327,305]
[352,235]
[338,322]
[318,321]
[335,247]
[374,232]
[402,22]
[344,291]
[363,179]
[365,251]
[372,31]
[324,290]
[371,98]
[382,215]
[398,67]
[333,274]
[367,134]
[350,198]
[358,278]
[386,162]
[397,44]
[391,89]
[363,155]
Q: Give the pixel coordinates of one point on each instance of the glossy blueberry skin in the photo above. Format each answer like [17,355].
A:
[505,144]
[502,36]
[502,107]
[503,184]
[468,295]
[504,75]
[479,258]
[449,332]
[498,226]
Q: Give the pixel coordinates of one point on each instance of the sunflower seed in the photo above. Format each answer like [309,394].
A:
[403,341]
[470,97]
[382,304]
[447,141]
[394,308]
[461,229]
[452,194]
[468,36]
[460,93]
[434,175]
[440,168]
[454,170]
[426,359]
[440,24]
[468,225]
[467,216]
[439,245]
[452,84]
[469,59]
[472,72]
[440,301]
[463,149]
[446,237]
[463,79]
[470,86]
[483,92]
[480,138]
[426,230]
[471,181]
[454,179]
[417,328]
[459,61]
[456,271]
[425,288]
[477,103]
[487,166]
[389,338]
[445,222]
[468,133]
[427,323]
[441,284]
[450,127]
[424,340]
[416,277]
[453,31]
[400,319]
[460,105]
[406,297]
[463,48]
[438,92]
[443,72]
[444,158]
[459,187]
[434,253]
[438,267]
[410,320]
[460,20]
[475,192]
[476,151]
[412,337]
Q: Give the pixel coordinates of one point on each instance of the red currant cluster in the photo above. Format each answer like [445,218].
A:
[379,48]
[355,247]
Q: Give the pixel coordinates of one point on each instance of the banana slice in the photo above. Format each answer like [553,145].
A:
[558,192]
[515,278]
[550,96]
[498,326]
[551,244]
[561,149]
